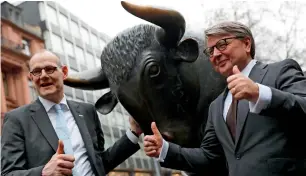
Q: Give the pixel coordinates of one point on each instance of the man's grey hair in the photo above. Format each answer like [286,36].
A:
[234,28]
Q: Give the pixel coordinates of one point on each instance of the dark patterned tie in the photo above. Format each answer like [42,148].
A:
[231,118]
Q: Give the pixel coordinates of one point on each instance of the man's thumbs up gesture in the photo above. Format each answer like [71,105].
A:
[153,143]
[60,163]
[242,87]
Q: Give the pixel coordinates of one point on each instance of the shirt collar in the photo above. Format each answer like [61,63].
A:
[247,70]
[49,104]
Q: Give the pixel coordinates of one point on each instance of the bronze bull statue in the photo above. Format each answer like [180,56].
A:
[157,74]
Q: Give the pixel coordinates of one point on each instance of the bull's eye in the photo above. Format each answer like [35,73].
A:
[154,70]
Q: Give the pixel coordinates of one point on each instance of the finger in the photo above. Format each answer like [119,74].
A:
[148,144]
[65,171]
[151,154]
[239,79]
[239,96]
[65,164]
[150,138]
[236,70]
[67,157]
[150,148]
[60,148]
[155,129]
[232,78]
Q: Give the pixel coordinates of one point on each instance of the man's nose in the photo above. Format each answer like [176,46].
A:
[216,52]
[43,73]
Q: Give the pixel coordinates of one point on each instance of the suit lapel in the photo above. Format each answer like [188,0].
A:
[257,74]
[41,118]
[221,121]
[78,114]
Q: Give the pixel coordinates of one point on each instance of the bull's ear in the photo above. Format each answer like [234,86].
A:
[106,103]
[187,51]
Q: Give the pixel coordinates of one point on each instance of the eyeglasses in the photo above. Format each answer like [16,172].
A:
[48,69]
[220,45]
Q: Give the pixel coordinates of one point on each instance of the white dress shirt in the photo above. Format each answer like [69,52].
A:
[264,99]
[81,163]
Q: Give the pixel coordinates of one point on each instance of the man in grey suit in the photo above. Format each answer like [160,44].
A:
[257,123]
[55,136]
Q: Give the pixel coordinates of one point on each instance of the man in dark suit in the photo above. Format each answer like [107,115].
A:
[55,136]
[257,123]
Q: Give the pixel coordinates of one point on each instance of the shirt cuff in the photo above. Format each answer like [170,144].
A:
[164,151]
[132,137]
[264,99]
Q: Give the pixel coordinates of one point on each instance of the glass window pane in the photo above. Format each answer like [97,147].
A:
[51,14]
[63,22]
[94,40]
[75,29]
[80,55]
[69,48]
[90,60]
[85,35]
[56,43]
[102,44]
[98,62]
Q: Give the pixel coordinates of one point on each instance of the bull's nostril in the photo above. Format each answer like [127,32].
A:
[167,136]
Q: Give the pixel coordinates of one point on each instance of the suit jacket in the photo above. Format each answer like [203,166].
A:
[29,140]
[271,143]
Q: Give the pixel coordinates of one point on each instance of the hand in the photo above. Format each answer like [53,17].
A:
[60,163]
[242,87]
[134,126]
[153,143]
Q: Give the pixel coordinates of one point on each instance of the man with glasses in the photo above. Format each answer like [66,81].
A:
[55,136]
[257,123]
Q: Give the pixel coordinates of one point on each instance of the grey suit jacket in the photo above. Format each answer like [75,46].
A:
[29,140]
[271,143]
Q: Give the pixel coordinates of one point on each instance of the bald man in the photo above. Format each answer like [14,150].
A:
[56,136]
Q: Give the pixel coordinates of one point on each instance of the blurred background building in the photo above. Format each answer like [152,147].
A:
[33,25]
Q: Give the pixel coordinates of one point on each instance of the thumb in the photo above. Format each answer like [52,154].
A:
[155,129]
[236,70]
[60,148]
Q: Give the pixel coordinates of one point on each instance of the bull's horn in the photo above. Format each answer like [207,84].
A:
[93,79]
[171,21]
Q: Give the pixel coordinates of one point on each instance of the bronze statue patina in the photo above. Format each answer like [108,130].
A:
[157,74]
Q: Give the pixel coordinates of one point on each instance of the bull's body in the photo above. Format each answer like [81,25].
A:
[157,74]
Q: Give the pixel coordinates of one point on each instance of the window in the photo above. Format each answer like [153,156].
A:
[63,22]
[56,43]
[80,55]
[5,86]
[90,60]
[102,44]
[98,62]
[25,47]
[69,48]
[85,35]
[51,14]
[75,29]
[94,40]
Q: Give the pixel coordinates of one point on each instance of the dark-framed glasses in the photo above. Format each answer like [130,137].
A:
[48,69]
[220,45]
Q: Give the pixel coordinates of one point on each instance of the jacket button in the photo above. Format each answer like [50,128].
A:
[238,157]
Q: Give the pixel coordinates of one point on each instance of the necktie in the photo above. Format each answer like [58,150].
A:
[231,118]
[62,132]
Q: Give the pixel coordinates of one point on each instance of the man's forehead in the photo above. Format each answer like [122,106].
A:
[213,39]
[43,60]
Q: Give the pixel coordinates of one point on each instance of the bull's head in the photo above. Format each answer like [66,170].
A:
[150,71]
